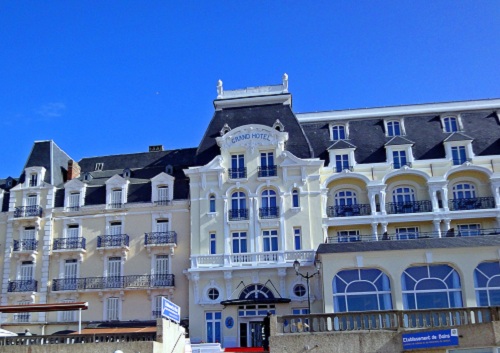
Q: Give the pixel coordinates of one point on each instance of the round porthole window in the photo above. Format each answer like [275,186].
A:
[299,290]
[213,293]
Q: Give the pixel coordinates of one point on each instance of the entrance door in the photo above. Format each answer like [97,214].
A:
[256,333]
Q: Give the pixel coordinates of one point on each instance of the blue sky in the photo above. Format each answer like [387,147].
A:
[111,77]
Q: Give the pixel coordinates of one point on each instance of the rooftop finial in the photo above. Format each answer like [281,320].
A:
[220,90]
[285,82]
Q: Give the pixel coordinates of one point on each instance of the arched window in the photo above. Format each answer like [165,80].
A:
[431,287]
[345,197]
[269,208]
[487,283]
[239,206]
[211,203]
[450,124]
[361,290]
[464,191]
[393,128]
[403,194]
[338,132]
[256,291]
[295,198]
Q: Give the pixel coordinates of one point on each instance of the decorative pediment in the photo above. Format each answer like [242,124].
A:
[74,184]
[252,136]
[116,180]
[163,178]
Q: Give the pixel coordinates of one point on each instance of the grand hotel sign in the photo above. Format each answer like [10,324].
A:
[251,136]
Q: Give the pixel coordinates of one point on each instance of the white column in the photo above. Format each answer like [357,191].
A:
[495,190]
[382,202]
[375,230]
[434,199]
[325,235]
[324,202]
[437,227]
[228,276]
[282,230]
[373,203]
[254,231]
[447,224]
[444,191]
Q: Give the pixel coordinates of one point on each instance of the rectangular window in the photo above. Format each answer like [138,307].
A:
[161,265]
[267,167]
[459,155]
[162,195]
[33,179]
[213,326]
[115,228]
[338,132]
[297,238]
[68,316]
[399,159]
[73,231]
[393,128]
[70,269]
[157,307]
[407,233]
[31,200]
[213,244]
[270,238]
[295,198]
[162,225]
[28,233]
[238,170]
[113,309]
[74,201]
[341,162]
[212,208]
[469,230]
[450,124]
[23,317]
[348,236]
[116,198]
[115,266]
[26,271]
[239,242]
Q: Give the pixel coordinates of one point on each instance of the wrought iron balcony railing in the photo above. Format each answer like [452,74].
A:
[73,208]
[349,210]
[25,245]
[399,165]
[164,202]
[412,235]
[267,171]
[474,203]
[269,212]
[69,244]
[126,282]
[27,285]
[408,207]
[237,173]
[28,211]
[238,214]
[160,238]
[116,240]
[115,205]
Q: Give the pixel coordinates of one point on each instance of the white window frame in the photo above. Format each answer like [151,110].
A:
[268,235]
[345,236]
[333,153]
[212,238]
[470,229]
[458,119]
[400,121]
[114,184]
[113,309]
[295,195]
[448,146]
[346,131]
[40,176]
[297,234]
[162,180]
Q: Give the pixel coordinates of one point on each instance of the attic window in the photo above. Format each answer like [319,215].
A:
[169,169]
[87,176]
[98,167]
[127,173]
[225,129]
[278,125]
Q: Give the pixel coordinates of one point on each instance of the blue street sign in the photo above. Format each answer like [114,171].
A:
[170,310]
[430,339]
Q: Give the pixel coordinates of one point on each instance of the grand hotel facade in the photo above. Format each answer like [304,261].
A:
[401,205]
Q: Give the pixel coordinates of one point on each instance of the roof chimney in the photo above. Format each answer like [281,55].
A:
[73,170]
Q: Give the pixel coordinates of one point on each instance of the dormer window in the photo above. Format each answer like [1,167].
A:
[33,179]
[278,126]
[87,176]
[162,195]
[116,198]
[225,129]
[98,167]
[451,124]
[338,132]
[162,189]
[126,173]
[74,201]
[116,191]
[169,169]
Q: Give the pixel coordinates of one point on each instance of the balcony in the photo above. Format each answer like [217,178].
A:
[474,203]
[239,214]
[237,173]
[306,257]
[160,238]
[114,282]
[349,210]
[115,205]
[408,207]
[25,245]
[164,202]
[28,285]
[413,235]
[113,241]
[267,171]
[269,212]
[69,244]
[72,208]
[28,211]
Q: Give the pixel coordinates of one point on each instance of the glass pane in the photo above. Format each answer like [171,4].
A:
[362,302]
[432,300]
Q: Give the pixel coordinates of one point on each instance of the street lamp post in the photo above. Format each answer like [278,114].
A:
[307,276]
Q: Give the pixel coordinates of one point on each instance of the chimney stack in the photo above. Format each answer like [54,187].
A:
[73,170]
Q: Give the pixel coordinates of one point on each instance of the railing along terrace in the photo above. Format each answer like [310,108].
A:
[218,260]
[409,235]
[25,245]
[115,205]
[408,207]
[78,339]
[160,238]
[132,281]
[267,171]
[115,240]
[269,212]
[27,285]
[69,243]
[28,211]
[349,210]
[73,208]
[237,173]
[238,214]
[386,320]
[164,202]
[473,203]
